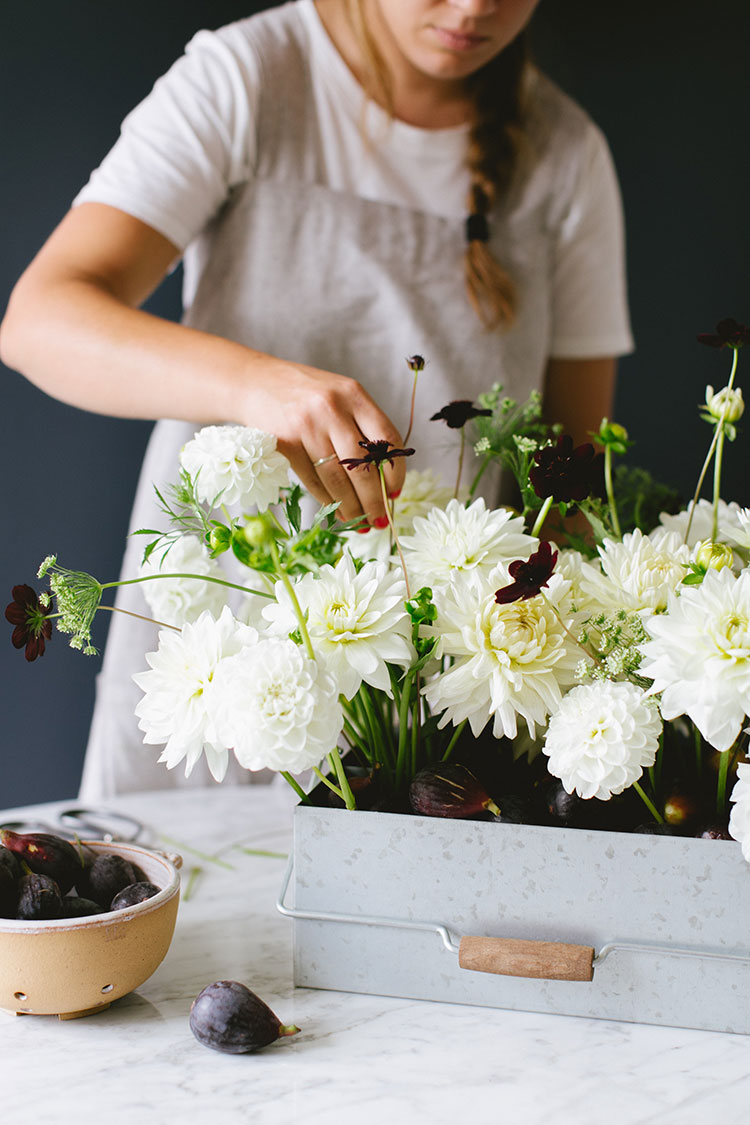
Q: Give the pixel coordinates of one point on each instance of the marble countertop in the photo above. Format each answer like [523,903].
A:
[363,1059]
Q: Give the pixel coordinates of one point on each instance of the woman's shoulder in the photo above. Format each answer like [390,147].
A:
[554,118]
[271,33]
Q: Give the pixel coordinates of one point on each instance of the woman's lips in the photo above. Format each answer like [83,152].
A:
[458,40]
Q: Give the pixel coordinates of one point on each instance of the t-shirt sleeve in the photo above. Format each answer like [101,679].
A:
[188,143]
[589,289]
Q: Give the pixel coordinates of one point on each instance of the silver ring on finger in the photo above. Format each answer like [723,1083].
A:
[325,460]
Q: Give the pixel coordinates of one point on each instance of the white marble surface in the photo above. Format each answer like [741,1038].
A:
[362,1059]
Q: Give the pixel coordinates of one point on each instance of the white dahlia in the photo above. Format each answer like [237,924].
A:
[451,544]
[275,707]
[639,572]
[510,660]
[175,601]
[174,709]
[739,819]
[739,534]
[357,621]
[240,464]
[601,738]
[699,657]
[701,525]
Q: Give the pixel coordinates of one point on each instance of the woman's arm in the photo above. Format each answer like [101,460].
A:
[579,393]
[73,326]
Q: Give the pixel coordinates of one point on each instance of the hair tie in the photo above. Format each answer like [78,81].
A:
[477,228]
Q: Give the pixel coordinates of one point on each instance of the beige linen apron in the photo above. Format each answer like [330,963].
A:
[295,269]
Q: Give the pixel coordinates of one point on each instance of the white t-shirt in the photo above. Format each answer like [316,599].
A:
[194,138]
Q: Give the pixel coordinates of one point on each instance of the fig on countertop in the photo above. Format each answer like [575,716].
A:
[105,878]
[133,894]
[227,1016]
[449,790]
[45,854]
[39,898]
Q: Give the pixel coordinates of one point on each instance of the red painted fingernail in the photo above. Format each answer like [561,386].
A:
[363,530]
[394,495]
[381,521]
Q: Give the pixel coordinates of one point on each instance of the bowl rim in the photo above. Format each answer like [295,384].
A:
[109,917]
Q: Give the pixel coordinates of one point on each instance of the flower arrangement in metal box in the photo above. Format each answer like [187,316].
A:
[464,660]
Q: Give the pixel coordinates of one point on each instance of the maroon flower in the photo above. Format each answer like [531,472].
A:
[728,334]
[377,453]
[457,414]
[567,474]
[415,362]
[528,577]
[32,626]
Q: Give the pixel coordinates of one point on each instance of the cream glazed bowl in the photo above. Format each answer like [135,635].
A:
[73,967]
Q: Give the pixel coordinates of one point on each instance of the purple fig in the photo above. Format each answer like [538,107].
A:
[75,907]
[227,1016]
[132,895]
[106,876]
[39,898]
[45,854]
[449,790]
[681,808]
[714,832]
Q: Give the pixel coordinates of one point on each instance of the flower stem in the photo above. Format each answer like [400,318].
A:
[346,790]
[460,465]
[543,511]
[198,577]
[454,739]
[327,781]
[140,616]
[289,587]
[610,491]
[479,474]
[718,431]
[389,516]
[648,803]
[296,787]
[411,411]
[721,783]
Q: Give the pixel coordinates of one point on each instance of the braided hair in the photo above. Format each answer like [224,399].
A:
[495,143]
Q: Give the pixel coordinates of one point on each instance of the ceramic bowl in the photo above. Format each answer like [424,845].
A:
[76,966]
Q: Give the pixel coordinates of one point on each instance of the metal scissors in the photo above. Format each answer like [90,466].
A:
[78,822]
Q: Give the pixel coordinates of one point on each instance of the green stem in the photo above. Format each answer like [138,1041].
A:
[717,484]
[698,742]
[543,511]
[403,729]
[335,759]
[648,803]
[718,429]
[721,783]
[460,465]
[327,781]
[454,739]
[392,526]
[289,587]
[197,577]
[480,473]
[296,787]
[129,613]
[411,412]
[610,491]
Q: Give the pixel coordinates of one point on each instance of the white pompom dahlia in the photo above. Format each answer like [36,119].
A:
[275,707]
[239,463]
[699,657]
[739,819]
[601,737]
[175,601]
[174,709]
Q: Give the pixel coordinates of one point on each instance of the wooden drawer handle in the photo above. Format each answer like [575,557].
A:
[512,957]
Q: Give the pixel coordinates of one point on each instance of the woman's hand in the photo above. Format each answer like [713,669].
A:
[74,328]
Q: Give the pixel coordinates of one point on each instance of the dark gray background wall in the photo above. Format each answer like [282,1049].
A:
[667,83]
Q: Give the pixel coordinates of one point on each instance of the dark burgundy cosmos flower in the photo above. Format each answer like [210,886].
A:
[415,362]
[528,577]
[457,414]
[32,627]
[728,334]
[568,474]
[377,453]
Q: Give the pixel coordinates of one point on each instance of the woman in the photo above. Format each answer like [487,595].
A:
[349,182]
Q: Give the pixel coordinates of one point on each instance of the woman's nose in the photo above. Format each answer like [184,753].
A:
[474,7]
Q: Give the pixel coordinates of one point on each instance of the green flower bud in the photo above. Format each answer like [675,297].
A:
[726,404]
[713,556]
[219,540]
[614,435]
[257,531]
